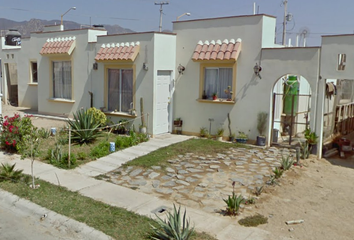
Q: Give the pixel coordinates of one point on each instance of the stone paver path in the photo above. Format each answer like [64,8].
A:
[202,181]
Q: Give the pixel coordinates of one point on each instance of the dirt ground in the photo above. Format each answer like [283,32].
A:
[321,193]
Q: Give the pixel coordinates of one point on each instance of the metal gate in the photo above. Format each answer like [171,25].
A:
[295,120]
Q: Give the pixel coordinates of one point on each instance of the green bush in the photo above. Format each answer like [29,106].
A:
[84,127]
[100,150]
[253,221]
[13,130]
[44,133]
[81,155]
[98,116]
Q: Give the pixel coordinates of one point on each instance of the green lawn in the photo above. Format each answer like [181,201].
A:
[195,146]
[113,221]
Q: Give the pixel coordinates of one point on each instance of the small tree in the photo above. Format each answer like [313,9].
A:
[29,147]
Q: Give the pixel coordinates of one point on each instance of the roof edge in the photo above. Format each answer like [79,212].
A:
[216,18]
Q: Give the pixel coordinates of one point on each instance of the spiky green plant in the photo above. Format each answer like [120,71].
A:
[84,127]
[278,172]
[233,204]
[174,227]
[258,191]
[286,162]
[44,133]
[305,150]
[8,173]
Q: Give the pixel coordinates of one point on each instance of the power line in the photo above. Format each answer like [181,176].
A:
[161,11]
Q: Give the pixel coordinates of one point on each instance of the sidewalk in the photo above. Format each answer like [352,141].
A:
[224,228]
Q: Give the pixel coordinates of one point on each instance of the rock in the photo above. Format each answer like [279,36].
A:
[165,177]
[126,178]
[182,172]
[220,170]
[182,182]
[138,182]
[180,176]
[227,163]
[164,190]
[199,189]
[156,167]
[198,194]
[172,175]
[155,183]
[169,184]
[153,175]
[189,165]
[178,187]
[194,170]
[214,166]
[197,176]
[204,185]
[170,170]
[135,172]
[189,179]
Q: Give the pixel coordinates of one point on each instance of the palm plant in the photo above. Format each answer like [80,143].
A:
[84,127]
[174,227]
[8,173]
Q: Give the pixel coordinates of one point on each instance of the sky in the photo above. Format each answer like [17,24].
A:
[318,17]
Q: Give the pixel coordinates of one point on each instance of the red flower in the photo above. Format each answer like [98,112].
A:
[7,143]
[14,142]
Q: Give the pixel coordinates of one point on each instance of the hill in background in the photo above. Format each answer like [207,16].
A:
[35,25]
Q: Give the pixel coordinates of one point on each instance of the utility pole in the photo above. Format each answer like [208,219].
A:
[161,4]
[285,2]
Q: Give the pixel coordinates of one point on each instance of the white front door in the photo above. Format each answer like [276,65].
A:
[162,102]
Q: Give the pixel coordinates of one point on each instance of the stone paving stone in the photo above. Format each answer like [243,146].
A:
[179,176]
[198,194]
[155,183]
[199,189]
[197,176]
[204,185]
[153,175]
[164,190]
[135,172]
[165,177]
[169,184]
[126,178]
[182,172]
[170,170]
[190,179]
[182,182]
[138,182]
[193,170]
[214,166]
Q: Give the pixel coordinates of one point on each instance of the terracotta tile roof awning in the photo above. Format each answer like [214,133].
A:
[217,50]
[118,51]
[63,46]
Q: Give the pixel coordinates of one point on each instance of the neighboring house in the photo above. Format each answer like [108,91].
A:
[176,75]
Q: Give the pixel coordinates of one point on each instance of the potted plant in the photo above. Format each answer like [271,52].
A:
[261,127]
[241,137]
[219,134]
[178,122]
[228,92]
[215,96]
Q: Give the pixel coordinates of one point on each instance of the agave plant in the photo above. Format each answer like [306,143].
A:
[174,227]
[84,127]
[286,162]
[278,172]
[233,203]
[8,173]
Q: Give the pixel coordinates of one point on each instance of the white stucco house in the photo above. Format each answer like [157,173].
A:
[176,74]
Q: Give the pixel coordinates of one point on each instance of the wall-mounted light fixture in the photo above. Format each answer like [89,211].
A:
[257,69]
[145,66]
[95,66]
[181,69]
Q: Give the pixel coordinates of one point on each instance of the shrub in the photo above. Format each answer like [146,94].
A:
[278,172]
[13,130]
[44,133]
[98,116]
[84,127]
[203,132]
[174,227]
[253,221]
[8,173]
[286,162]
[100,150]
[81,155]
[233,204]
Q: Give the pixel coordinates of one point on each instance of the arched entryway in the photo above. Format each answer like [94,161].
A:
[291,106]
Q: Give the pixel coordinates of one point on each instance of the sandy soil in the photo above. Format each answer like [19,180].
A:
[321,193]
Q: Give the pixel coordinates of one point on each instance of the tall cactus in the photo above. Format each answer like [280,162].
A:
[142,112]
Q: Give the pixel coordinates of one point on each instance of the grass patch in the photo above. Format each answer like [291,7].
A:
[113,221]
[253,221]
[195,146]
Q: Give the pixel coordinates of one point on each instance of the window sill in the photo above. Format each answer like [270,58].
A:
[120,114]
[61,100]
[218,101]
[32,84]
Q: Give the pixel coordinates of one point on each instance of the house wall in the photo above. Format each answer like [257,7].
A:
[158,52]
[165,59]
[277,62]
[250,97]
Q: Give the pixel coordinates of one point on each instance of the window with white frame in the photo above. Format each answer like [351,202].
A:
[120,89]
[62,82]
[216,81]
[34,75]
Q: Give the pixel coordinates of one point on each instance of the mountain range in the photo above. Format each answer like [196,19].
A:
[35,25]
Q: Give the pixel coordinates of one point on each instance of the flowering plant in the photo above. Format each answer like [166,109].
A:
[13,130]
